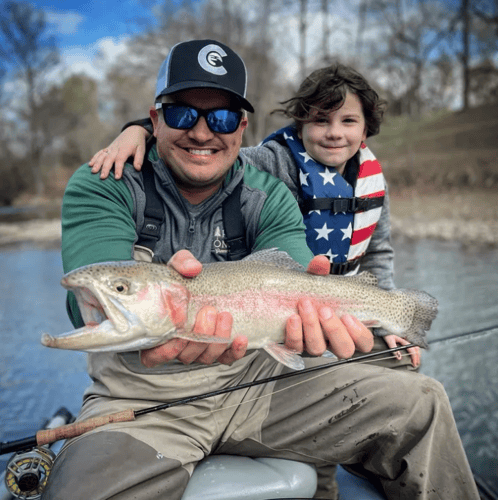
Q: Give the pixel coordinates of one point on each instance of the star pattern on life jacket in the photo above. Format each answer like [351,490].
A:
[326,233]
[342,235]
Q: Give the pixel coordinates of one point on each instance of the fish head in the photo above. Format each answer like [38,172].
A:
[124,305]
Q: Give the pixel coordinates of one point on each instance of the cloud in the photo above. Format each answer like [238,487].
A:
[64,23]
[93,60]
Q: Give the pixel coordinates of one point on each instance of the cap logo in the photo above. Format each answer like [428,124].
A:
[211,59]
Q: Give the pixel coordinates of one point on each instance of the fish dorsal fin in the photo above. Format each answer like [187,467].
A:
[365,278]
[276,257]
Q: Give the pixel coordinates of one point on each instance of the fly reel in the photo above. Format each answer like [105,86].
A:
[27,473]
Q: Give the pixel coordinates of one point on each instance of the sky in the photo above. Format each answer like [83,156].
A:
[86,27]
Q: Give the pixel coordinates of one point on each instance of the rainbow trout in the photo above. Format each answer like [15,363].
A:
[128,306]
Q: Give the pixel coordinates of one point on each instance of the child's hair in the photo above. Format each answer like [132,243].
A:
[325,90]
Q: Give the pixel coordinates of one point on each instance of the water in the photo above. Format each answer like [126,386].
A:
[36,381]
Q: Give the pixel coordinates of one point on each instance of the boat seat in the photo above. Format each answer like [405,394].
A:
[226,477]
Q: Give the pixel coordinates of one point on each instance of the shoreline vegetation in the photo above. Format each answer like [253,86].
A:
[469,217]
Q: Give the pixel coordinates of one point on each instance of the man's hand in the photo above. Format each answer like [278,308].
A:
[131,142]
[312,329]
[208,322]
[316,329]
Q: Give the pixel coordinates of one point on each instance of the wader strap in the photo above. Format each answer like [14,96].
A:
[154,211]
[235,234]
[342,205]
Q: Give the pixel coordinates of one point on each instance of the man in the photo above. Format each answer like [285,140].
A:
[396,426]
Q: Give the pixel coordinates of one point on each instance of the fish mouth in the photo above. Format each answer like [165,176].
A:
[109,326]
[91,309]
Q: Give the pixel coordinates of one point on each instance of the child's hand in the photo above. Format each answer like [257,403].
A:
[393,341]
[131,142]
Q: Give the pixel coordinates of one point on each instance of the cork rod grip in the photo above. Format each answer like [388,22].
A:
[78,428]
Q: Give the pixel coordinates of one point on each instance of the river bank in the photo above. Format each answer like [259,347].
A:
[469,217]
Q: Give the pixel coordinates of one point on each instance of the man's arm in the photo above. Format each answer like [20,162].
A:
[97,225]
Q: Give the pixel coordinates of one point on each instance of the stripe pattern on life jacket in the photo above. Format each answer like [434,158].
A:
[370,184]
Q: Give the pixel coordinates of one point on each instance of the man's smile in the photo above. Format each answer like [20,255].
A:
[202,152]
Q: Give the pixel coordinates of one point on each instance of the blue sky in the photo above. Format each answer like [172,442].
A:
[85,27]
[84,22]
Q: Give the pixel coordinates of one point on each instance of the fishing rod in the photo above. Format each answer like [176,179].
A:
[47,436]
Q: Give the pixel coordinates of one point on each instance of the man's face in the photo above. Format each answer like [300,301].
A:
[198,158]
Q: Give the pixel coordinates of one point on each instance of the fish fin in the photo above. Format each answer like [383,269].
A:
[381,332]
[200,337]
[426,308]
[175,300]
[329,355]
[285,356]
[365,278]
[276,257]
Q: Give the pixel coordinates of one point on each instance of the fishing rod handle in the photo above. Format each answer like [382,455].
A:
[48,436]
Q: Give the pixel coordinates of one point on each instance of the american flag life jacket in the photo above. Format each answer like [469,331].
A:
[339,218]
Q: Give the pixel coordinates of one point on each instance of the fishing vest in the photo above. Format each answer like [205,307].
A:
[339,218]
[149,233]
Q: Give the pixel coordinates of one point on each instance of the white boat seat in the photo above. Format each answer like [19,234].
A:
[226,477]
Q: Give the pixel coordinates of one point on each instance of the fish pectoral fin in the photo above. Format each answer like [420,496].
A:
[286,356]
[200,337]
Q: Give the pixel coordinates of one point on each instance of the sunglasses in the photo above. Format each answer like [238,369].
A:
[183,117]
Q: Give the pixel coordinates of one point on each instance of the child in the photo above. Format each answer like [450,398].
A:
[340,183]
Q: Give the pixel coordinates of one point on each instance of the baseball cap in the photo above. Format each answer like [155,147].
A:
[203,64]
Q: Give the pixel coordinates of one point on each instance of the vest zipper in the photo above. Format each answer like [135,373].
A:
[191,231]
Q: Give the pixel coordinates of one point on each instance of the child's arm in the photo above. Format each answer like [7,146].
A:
[131,142]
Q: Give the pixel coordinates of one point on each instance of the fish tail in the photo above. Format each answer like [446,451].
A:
[426,308]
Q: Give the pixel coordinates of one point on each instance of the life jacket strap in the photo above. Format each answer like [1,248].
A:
[342,205]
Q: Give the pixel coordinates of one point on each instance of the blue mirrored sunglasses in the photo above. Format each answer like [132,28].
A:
[219,120]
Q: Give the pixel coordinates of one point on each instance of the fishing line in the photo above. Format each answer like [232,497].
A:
[78,428]
[458,336]
[332,369]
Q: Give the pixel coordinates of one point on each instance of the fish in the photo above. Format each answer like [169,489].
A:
[130,305]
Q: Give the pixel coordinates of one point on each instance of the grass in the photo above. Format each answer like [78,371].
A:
[439,152]
[465,205]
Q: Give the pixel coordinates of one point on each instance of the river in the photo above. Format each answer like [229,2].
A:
[36,381]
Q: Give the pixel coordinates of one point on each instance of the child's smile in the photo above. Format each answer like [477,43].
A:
[335,138]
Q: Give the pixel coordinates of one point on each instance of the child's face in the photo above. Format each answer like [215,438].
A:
[334,139]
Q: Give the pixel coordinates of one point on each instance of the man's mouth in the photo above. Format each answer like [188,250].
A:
[202,152]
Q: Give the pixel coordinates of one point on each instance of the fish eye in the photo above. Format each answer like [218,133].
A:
[120,286]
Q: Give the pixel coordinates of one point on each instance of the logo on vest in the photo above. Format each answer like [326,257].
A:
[219,244]
[211,59]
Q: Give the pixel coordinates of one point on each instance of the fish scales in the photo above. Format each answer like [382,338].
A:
[261,288]
[141,305]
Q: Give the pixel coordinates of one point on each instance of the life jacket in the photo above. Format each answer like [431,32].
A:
[339,218]
[149,233]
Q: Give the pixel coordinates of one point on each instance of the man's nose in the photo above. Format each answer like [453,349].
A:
[201,132]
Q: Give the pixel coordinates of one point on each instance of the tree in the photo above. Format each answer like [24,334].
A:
[413,36]
[28,53]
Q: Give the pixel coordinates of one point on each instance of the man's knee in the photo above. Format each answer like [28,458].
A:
[108,465]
